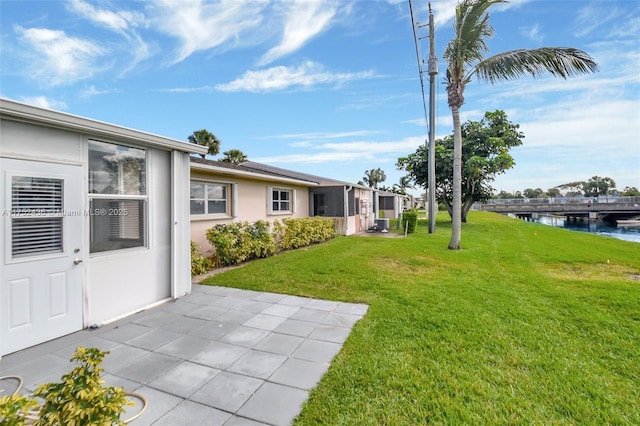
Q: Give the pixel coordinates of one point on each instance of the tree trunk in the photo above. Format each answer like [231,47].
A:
[466,206]
[447,205]
[456,219]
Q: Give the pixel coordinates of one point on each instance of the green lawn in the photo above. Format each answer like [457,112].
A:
[528,324]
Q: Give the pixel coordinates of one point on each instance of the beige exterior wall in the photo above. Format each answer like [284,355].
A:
[364,220]
[248,200]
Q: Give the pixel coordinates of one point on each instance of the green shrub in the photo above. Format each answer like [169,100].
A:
[80,398]
[15,408]
[235,243]
[410,217]
[302,232]
[199,263]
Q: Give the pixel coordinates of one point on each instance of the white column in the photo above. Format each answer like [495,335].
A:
[180,229]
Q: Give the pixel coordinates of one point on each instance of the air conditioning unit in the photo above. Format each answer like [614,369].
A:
[382,224]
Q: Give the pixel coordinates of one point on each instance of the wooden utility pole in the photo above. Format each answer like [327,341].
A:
[432,207]
[433,71]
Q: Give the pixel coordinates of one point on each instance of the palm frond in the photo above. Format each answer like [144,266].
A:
[472,28]
[562,62]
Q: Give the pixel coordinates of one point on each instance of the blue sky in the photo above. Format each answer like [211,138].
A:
[328,87]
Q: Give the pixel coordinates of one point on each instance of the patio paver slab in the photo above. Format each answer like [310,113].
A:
[190,413]
[219,356]
[227,391]
[274,404]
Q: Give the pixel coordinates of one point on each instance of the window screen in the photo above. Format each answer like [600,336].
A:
[117,196]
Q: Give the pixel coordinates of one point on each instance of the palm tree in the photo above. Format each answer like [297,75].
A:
[401,187]
[206,138]
[465,58]
[234,156]
[374,177]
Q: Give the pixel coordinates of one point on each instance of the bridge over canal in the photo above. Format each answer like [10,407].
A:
[604,210]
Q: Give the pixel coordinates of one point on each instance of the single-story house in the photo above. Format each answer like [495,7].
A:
[223,193]
[391,205]
[95,223]
[351,204]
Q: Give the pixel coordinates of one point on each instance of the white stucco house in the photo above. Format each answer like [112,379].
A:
[95,222]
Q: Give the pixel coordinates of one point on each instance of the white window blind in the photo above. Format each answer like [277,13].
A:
[36,211]
[125,226]
[31,195]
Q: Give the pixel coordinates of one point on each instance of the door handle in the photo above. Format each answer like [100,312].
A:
[77,261]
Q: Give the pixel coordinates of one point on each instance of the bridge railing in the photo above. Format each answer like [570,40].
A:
[562,200]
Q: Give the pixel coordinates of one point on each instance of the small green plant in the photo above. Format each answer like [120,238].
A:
[410,218]
[14,409]
[81,397]
[199,263]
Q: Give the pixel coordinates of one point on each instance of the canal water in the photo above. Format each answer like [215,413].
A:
[626,233]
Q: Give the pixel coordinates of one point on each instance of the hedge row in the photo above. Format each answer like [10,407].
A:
[238,242]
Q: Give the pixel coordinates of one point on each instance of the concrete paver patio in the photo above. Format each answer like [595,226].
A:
[219,356]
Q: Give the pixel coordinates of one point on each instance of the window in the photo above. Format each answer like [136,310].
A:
[282,200]
[209,198]
[36,212]
[386,203]
[117,196]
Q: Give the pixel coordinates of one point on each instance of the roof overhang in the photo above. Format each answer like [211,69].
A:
[17,111]
[249,174]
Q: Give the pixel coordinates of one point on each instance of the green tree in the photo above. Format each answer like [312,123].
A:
[234,156]
[372,178]
[465,59]
[206,138]
[533,193]
[553,192]
[504,195]
[597,186]
[402,186]
[630,191]
[486,145]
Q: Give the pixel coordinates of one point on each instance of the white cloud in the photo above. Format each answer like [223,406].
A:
[92,91]
[348,151]
[532,32]
[373,100]
[304,19]
[58,59]
[605,125]
[44,102]
[445,10]
[592,17]
[122,22]
[204,25]
[280,78]
[324,135]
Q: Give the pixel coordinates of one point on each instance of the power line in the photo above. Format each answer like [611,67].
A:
[429,119]
[416,40]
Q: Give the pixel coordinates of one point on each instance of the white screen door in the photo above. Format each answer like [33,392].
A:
[41,283]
